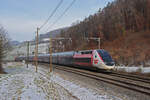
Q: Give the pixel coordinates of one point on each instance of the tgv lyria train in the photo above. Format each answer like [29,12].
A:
[86,59]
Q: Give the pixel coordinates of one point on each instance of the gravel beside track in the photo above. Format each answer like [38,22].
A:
[138,86]
[130,84]
[135,84]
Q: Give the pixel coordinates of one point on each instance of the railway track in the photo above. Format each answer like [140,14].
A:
[132,77]
[128,81]
[138,84]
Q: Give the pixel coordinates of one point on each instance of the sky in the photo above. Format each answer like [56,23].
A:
[21,17]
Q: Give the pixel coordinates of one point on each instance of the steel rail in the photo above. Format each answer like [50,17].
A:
[132,77]
[124,84]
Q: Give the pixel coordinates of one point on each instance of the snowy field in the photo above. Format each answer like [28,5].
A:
[23,83]
[140,69]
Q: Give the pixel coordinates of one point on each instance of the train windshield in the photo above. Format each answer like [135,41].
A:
[106,57]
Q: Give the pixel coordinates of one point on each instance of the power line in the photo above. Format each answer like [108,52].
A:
[62,14]
[58,5]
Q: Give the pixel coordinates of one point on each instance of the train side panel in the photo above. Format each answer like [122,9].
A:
[83,59]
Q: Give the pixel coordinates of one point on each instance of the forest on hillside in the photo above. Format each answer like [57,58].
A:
[123,27]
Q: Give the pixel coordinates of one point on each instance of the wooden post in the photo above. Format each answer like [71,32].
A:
[27,54]
[50,52]
[36,53]
[98,43]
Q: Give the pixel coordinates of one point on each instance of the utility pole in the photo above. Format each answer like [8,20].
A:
[98,43]
[63,48]
[27,54]
[98,39]
[36,53]
[50,52]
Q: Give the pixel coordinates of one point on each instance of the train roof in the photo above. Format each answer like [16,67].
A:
[69,52]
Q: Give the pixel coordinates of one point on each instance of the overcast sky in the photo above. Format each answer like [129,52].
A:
[21,17]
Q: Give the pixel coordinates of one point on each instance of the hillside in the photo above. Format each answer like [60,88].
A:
[14,43]
[123,27]
[53,33]
[131,49]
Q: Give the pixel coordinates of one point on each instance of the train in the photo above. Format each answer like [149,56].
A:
[88,59]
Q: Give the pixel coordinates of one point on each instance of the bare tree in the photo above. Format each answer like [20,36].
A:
[4,45]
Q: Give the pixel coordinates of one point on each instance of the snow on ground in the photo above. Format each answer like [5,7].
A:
[140,69]
[83,93]
[23,83]
[26,85]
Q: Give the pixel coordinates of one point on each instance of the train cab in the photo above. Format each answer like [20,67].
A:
[102,60]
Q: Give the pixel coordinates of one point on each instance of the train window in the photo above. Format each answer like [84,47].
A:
[105,55]
[86,52]
[77,52]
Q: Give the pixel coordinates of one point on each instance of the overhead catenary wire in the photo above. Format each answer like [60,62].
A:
[70,5]
[53,12]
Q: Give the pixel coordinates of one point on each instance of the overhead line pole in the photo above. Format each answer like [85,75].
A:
[35,50]
[50,38]
[27,53]
[99,43]
[94,38]
[50,52]
[36,53]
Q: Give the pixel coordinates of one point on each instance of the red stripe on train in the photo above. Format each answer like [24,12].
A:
[83,64]
[82,56]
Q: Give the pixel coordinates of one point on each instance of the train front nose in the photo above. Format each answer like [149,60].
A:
[108,62]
